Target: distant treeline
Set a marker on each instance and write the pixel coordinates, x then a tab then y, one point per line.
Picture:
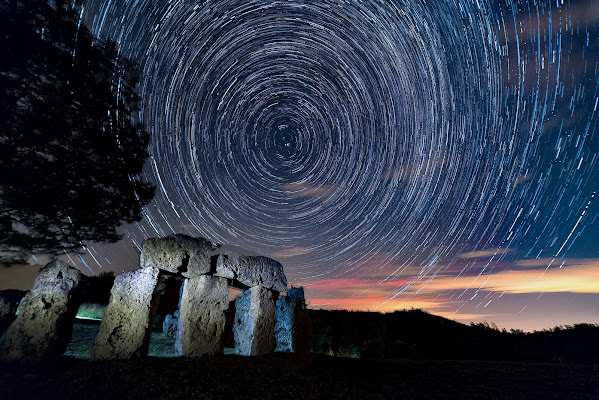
416	334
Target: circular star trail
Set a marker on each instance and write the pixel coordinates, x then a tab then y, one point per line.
345	137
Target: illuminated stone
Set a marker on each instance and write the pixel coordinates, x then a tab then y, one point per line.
293	327
252	271
253	328
43	328
179	254
127	322
204	301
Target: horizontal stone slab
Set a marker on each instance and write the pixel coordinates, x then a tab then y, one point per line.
192	257
179	254
252	271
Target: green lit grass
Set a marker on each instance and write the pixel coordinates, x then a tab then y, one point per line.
91	311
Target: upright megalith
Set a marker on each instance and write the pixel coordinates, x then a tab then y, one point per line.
204	300
179	254
252	271
43	328
170	325
127	322
254	322
293	327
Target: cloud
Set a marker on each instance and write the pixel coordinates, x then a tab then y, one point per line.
581	276
306	189
544	262
583	14
345	290
291	252
522	178
575	276
484	253
357	284
405	172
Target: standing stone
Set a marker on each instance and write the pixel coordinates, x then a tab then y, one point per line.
204	301
179	254
285	312
127	323
284	324
254	322
170	326
43	328
9	302
292	326
252	271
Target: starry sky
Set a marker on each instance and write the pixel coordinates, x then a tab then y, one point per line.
390	154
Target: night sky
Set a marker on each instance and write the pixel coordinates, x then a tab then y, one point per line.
390	154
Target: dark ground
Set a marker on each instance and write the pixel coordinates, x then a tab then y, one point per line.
284	376
418	348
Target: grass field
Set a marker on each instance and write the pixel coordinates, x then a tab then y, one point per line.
84	335
91	311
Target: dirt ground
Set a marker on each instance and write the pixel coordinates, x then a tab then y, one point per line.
289	376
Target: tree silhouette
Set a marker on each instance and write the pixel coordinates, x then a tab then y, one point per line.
70	146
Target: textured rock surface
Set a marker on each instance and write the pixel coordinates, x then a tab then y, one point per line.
254	322
9	302
285	323
127	323
292	326
252	271
180	254
170	326
297	294
204	301
43	328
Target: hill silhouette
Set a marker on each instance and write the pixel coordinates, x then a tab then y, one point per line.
416	334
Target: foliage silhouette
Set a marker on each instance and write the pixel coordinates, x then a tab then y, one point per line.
71	148
9	302
97	288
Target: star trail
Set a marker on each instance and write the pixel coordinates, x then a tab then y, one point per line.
389	153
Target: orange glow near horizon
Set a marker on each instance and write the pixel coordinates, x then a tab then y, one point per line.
441	296
576	278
